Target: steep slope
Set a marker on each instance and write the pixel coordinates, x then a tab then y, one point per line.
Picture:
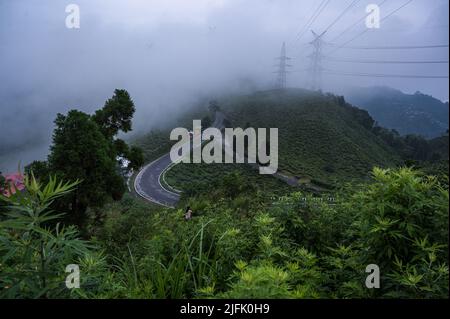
320	136
407	113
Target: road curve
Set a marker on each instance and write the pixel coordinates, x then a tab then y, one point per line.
148	181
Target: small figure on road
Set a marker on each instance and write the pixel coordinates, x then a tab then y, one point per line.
188	213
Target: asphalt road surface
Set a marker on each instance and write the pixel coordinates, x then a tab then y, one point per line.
148	181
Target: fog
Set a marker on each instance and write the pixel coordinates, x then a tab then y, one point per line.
170	54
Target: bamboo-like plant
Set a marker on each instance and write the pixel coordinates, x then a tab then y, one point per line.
34	248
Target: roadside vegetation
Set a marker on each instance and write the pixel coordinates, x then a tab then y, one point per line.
294	247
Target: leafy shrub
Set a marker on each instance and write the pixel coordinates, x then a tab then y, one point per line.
260	282
33	253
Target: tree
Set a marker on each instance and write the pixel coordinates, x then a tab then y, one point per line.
116	115
417	148
81	152
133	154
121	148
86	148
40	169
136	157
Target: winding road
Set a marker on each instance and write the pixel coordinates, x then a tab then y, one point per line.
147	183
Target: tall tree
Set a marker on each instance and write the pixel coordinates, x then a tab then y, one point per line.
81	152
86	148
116	115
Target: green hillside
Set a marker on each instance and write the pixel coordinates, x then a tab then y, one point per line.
322	139
320	136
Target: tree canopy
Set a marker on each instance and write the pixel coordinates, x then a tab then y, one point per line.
116	115
85	148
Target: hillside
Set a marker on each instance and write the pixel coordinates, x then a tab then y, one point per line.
407	113
323	141
320	136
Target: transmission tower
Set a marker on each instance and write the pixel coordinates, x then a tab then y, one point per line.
282	68
315	70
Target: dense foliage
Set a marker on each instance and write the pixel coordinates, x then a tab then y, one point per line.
295	247
415	147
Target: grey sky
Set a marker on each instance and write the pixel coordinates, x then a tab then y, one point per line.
167	53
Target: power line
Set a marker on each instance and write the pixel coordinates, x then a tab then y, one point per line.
299	34
302	30
386	62
396	10
366	30
331	72
316	69
356	23
314	17
301	70
408	76
354	2
295	34
406	47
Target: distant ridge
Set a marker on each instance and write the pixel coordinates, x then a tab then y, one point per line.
417	113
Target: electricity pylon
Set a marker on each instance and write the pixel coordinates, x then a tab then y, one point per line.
315	70
282	68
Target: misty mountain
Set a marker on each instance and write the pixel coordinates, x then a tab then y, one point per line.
417	113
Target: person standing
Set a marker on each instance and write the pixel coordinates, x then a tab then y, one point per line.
188	213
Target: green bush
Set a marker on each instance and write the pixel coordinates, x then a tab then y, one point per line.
403	228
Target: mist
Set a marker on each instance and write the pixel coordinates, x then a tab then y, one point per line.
171	55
